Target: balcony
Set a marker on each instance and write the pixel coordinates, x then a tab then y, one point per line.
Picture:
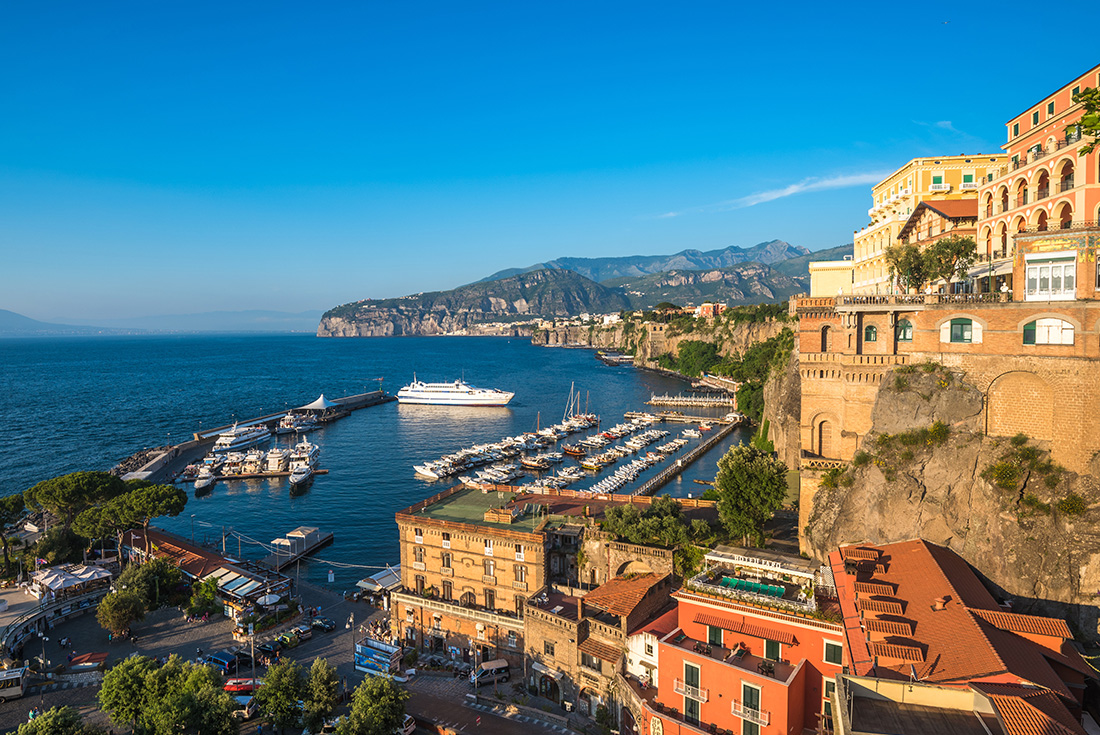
760	717
940	187
687	690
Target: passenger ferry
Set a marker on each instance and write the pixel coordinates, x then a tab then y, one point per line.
241	436
458	393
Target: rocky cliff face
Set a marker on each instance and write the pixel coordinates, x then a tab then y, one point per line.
783	412
997	502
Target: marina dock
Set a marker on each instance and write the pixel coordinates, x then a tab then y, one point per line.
706	401
300	542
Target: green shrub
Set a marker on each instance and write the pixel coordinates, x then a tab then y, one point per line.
1072	505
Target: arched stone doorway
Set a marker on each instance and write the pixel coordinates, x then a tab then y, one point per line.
1020	403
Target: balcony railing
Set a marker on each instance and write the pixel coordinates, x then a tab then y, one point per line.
687	690
760	717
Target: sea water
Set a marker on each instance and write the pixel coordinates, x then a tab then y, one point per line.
85	403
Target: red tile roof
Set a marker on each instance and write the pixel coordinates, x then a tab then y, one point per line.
961	642
619	596
600	650
1029	711
1031	624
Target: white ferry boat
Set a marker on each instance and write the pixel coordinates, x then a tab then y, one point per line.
457	393
241	436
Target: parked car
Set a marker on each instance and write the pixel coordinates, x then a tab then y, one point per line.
326	624
303	631
247	706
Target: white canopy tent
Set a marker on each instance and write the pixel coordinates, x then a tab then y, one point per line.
320	404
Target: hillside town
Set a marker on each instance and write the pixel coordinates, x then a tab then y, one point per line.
892	595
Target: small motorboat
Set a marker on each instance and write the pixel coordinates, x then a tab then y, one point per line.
301	474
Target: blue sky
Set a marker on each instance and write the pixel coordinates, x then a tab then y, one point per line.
160	158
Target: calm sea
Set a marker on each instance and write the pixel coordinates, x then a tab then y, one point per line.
79	404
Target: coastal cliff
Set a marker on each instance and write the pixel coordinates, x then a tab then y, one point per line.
926	470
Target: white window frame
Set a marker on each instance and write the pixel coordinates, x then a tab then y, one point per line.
1034	267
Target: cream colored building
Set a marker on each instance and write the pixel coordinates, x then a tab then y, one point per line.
894	199
831	277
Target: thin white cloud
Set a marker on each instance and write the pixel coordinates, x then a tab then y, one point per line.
806	185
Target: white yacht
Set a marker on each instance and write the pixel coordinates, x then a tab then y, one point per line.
457	393
241	436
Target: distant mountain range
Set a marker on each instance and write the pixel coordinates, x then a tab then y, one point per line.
604	269
17	325
517	295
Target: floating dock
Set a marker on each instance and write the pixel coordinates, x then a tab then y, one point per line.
709	401
300	542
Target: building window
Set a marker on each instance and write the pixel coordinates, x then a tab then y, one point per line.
870	334
834	653
446	560
490	567
448	590
772	650
714	635
905	331
1048	332
418	535
490	599
548	648
962	331
521	573
1035	118
1015	131
418	554
1050	109
446	540
1051	279
590	661
488	547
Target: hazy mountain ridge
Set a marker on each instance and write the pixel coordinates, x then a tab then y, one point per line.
630	266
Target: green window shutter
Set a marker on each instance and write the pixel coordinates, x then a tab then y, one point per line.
1029	333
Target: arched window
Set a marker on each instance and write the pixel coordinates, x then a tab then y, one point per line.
962	331
1048	332
905	331
870	334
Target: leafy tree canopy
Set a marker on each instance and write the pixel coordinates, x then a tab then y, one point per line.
284	686
377	708
66	496
751	486
119	610
178	697
1090	120
59	721
322	693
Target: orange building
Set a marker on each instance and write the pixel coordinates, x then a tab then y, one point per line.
1046	185
917	612
752	650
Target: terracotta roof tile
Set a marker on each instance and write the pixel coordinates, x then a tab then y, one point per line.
1032	624
619	596
600	650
